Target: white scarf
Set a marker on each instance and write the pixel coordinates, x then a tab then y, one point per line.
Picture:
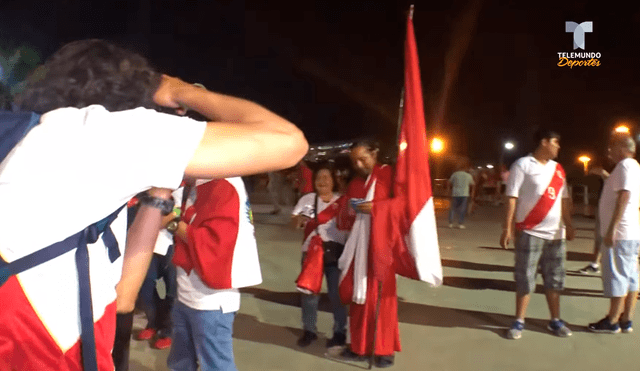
357	247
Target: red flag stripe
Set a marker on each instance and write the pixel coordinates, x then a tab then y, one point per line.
404	236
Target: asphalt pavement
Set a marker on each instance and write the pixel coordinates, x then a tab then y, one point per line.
458	326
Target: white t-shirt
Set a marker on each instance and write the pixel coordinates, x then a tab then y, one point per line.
328	231
460	182
73	169
528	181
625	176
195	294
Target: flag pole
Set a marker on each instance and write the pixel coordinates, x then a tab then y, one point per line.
401	108
378	301
400	114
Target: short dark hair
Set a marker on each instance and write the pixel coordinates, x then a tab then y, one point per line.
544	133
87	72
369	144
325	166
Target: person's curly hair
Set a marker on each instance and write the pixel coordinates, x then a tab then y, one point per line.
87	72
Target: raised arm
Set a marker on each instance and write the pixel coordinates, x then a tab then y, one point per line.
242	138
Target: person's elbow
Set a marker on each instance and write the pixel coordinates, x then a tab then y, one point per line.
296	147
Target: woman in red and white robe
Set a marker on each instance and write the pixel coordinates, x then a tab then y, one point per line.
358	287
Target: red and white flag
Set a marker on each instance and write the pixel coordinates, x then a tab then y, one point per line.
403	235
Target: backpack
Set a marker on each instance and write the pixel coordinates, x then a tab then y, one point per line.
13	127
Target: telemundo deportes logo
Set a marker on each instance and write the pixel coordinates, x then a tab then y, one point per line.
578	59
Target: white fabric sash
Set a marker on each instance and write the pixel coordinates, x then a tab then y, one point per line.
357	247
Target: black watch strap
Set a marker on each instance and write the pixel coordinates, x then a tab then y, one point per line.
165	206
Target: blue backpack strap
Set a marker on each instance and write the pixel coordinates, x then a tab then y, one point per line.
80	241
62	247
90	235
41	256
13	127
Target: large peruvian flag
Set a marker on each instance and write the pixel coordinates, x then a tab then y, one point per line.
403	234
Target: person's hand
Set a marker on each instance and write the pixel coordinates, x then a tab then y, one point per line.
599	171
168	219
169	93
571	232
365	207
300	221
505	238
608	239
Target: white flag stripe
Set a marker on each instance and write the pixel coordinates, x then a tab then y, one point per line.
423	245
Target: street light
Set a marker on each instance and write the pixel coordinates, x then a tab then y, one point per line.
585	161
622	129
437	145
506	146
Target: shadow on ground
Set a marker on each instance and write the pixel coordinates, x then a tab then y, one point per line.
410	313
571	255
249	328
460	264
473	283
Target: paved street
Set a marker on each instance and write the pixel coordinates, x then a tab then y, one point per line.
459	326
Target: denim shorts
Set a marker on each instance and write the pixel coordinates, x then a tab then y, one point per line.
620	268
532	252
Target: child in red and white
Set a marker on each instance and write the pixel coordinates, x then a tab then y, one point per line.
215	254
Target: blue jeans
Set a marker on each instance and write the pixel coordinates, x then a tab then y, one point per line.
158	311
458	207
310	303
201	338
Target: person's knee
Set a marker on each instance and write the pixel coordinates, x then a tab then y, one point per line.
525	283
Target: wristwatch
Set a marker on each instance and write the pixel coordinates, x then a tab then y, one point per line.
165	206
172	227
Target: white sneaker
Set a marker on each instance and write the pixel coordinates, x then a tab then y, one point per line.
450	225
461	226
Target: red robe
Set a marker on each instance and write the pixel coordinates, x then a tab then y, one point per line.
306	180
362	317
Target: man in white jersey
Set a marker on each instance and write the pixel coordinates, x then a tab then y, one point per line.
620	228
539	204
98	143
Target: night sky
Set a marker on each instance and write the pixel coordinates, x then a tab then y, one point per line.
335	68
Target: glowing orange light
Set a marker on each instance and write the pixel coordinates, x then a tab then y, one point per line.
585	161
437	145
622	129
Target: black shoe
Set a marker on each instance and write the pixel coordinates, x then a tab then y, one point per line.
348	355
604	326
307	338
590	269
338	339
384	361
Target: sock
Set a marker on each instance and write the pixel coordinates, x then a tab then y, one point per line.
595	265
555	319
521	320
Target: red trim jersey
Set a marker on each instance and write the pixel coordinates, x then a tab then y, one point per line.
221	252
529	180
